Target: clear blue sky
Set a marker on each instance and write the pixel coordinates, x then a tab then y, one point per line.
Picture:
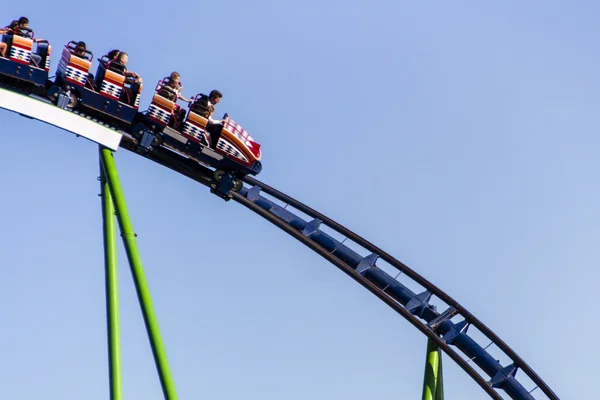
461	137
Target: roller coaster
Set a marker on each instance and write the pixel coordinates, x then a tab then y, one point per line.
452	329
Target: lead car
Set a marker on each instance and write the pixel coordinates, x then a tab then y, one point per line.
234	156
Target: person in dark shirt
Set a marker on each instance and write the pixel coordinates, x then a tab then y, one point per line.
80	51
118	63
130	76
204	106
19	26
171	89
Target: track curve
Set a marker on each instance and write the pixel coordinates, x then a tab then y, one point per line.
417	307
452	336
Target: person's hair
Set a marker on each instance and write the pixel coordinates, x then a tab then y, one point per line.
81	46
113	54
23	20
120	55
174	75
215	94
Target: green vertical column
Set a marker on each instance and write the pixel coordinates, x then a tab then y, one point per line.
432	382
439	393
112	290
135	262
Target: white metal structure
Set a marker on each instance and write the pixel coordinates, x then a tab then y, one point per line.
67	120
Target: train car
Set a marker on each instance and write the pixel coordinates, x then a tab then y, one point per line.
75	88
232	153
235	154
233	142
28	61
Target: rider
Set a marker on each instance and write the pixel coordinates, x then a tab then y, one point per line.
80	51
205	107
112	55
3	46
10	30
20	27
117	62
16	24
171	89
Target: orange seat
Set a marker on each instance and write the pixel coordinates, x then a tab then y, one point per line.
75	69
20	51
160	109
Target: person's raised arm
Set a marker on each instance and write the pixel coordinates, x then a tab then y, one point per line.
180	96
214	121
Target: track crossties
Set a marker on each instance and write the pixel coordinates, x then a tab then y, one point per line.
463	337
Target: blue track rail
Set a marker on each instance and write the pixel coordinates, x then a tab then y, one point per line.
415	307
463	337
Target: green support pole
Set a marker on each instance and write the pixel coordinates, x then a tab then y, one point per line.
112	291
135	262
432	383
439	393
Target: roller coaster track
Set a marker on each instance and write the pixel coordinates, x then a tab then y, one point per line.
451	328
